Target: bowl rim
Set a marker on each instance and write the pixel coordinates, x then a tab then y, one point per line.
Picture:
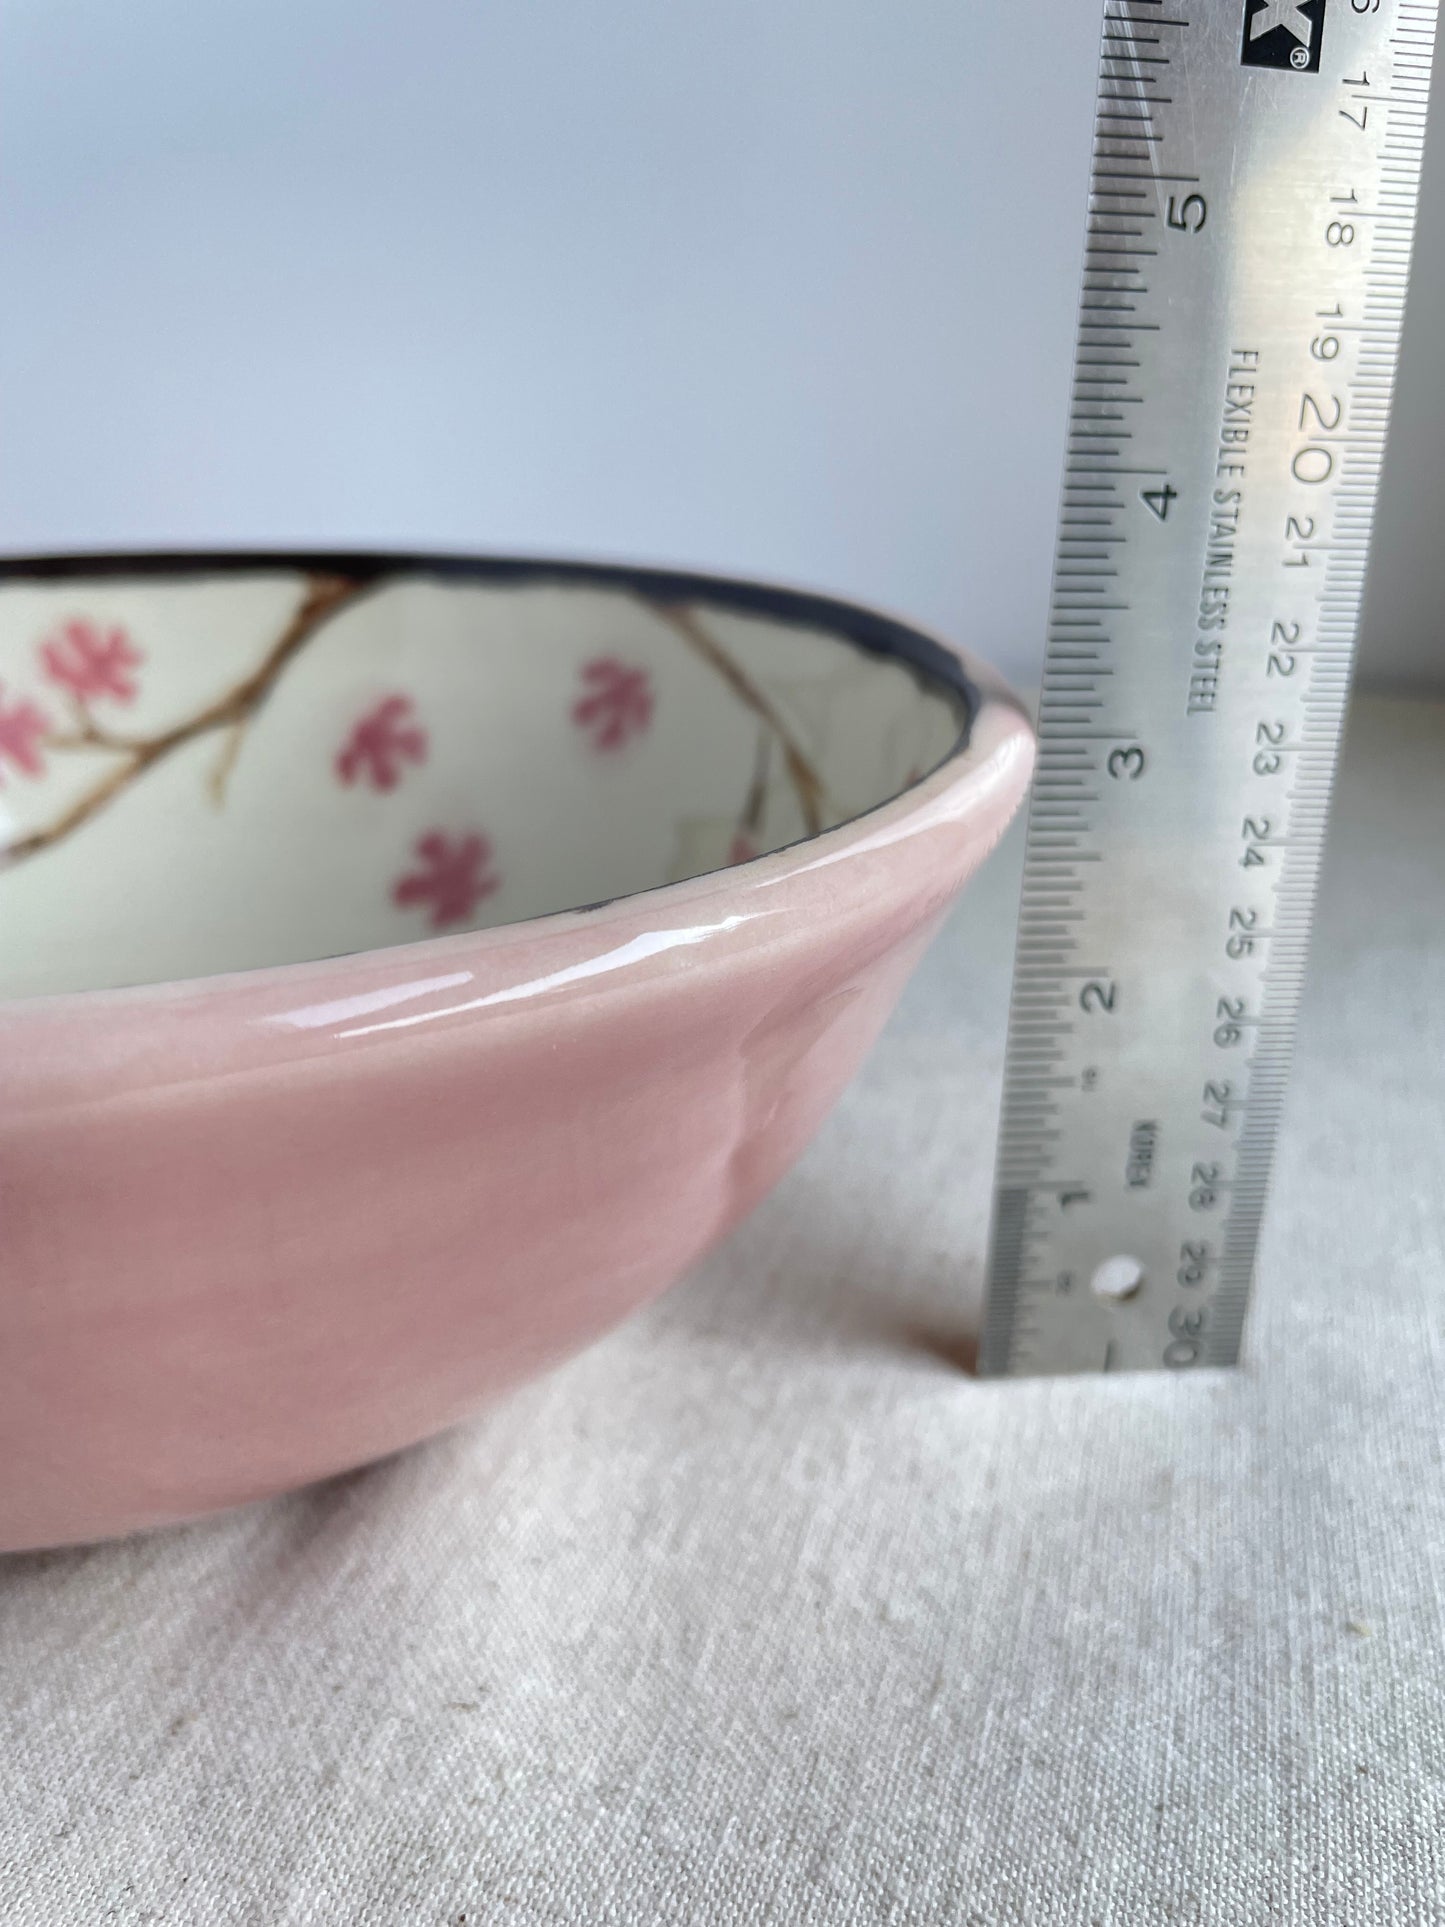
865	626
981	691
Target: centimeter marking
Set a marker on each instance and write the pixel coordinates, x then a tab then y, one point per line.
1252	203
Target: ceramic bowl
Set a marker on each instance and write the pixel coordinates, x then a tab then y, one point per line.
409	966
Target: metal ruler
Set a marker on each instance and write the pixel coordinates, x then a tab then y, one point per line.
1256	167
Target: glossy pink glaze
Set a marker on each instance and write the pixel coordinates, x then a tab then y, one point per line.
256	1229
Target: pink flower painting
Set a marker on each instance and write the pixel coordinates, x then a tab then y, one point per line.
453	875
383	741
23	727
92	662
616	703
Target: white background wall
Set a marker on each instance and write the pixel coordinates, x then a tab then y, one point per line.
775	287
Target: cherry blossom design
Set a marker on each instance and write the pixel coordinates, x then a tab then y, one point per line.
616	703
453	876
381	742
91	662
23	727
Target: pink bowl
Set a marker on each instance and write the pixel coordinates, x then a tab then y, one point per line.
268	1211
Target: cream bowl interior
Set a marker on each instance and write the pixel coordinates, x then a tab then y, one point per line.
214	765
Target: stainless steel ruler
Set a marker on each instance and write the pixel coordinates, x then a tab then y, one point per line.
1255	172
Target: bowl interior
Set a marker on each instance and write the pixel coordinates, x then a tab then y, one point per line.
210	767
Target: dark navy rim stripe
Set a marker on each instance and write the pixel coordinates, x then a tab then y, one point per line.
879	634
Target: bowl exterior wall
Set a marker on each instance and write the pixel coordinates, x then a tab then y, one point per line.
257	1229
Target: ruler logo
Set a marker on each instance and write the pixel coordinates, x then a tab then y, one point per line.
1283	33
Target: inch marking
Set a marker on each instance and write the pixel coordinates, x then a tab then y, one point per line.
1190	723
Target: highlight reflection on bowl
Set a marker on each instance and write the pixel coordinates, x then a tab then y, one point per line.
408	966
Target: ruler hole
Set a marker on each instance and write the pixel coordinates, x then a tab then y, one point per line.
1117	1278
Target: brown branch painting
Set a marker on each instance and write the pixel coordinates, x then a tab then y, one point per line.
616	704
135	755
806	782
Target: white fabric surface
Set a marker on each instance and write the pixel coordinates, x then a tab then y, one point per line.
763	1612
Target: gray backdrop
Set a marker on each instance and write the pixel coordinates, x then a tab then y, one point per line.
775	288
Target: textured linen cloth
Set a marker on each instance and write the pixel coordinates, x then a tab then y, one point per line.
763	1611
